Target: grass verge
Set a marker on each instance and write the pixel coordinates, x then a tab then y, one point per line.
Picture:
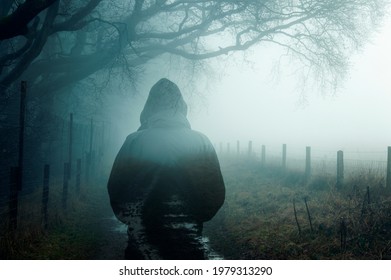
258	220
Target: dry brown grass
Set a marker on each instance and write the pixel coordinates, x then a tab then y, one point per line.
257	220
71	234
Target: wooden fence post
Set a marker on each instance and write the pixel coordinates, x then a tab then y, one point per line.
250	148
78	175
70	145
93	165
388	181
91	134
45	196
23	90
88	163
340	171
13	200
102	146
263	156
89	155
65	186
307	163
284	156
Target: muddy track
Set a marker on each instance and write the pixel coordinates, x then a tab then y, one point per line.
113	240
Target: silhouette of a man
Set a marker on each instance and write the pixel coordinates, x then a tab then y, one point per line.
165	181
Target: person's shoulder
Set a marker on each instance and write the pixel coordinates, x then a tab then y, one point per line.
143	135
201	136
199	133
132	135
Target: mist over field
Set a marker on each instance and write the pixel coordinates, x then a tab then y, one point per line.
260	96
195	129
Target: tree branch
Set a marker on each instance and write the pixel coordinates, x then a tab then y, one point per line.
76	21
35	49
16	23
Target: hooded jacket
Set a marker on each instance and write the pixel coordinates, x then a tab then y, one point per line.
165	168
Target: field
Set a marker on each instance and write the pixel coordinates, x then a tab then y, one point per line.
274	214
269	213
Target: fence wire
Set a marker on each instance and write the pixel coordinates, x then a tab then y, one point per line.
322	162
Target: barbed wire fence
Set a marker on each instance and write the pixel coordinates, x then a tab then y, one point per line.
312	161
44	169
42	173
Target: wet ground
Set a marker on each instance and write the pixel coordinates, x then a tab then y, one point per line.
114	241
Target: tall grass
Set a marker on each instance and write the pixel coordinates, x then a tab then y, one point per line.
258	219
73	233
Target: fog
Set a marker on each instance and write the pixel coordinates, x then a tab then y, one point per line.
249	105
76	75
259	96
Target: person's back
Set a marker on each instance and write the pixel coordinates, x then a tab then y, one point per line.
166	181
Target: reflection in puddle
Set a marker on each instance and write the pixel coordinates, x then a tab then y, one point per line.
119	227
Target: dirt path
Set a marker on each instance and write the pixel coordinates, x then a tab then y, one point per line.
114	239
110	234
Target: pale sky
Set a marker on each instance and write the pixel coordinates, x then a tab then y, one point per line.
248	104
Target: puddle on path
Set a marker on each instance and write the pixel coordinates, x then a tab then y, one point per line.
116	241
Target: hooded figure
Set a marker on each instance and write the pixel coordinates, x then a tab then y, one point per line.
165	181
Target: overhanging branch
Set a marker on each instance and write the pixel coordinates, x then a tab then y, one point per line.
16	23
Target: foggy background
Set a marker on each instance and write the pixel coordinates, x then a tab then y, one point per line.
262	94
258	95
89	66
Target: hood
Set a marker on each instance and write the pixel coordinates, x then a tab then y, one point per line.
165	104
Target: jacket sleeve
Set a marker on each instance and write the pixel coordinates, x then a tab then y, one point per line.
196	173
128	182
206	189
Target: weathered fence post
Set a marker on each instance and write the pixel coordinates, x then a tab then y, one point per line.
91	134
89	155
250	148
102	146
388	181
70	145
93	165
78	175
88	162
284	156
23	90
263	156
237	147
45	196
63	141
65	186
340	171
307	163
13	201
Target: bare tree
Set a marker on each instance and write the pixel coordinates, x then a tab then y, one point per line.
58	43
16	23
60	46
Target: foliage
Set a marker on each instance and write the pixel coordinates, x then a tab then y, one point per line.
57	43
